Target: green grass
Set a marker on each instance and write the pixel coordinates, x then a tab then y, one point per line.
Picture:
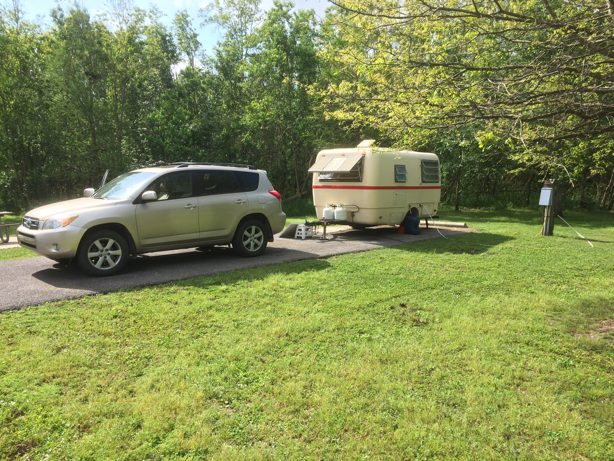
481	346
9	254
12	219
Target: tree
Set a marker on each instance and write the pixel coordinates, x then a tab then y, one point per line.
24	147
187	38
534	73
282	123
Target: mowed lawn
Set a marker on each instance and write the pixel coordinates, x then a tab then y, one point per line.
491	345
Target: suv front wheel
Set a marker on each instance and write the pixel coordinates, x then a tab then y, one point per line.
104	252
250	238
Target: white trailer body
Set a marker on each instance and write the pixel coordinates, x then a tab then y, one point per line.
377	186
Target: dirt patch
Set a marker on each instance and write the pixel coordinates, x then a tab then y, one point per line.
603	330
607	327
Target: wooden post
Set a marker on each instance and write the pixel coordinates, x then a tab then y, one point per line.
549	210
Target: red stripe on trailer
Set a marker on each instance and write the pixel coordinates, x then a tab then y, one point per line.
375	187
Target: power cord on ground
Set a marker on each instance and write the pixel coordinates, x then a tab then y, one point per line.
543	224
581	236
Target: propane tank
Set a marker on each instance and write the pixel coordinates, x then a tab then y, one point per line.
341	214
329	212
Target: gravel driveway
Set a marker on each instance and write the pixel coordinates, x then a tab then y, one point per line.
34	281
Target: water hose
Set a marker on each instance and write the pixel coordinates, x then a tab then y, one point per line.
427	210
581	236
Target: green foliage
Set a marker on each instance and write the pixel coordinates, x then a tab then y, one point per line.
528	76
506	94
299	209
103	96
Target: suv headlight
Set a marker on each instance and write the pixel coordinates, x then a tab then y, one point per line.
55	223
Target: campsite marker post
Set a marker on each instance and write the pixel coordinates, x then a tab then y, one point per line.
546	199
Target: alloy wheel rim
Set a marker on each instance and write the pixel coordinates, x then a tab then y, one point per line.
104	254
253	238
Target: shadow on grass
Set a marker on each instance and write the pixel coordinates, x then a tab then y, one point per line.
530	217
470	243
533	217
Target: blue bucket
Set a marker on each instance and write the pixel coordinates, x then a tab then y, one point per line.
412	225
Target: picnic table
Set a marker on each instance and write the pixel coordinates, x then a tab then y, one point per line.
4	228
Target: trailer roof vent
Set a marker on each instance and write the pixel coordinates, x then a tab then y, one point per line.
366	143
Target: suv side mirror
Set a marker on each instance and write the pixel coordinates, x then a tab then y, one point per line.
89	192
149	196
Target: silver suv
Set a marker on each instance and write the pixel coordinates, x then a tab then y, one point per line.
182	205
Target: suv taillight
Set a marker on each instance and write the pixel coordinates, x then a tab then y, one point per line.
275	194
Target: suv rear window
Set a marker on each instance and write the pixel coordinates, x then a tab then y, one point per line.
215	182
247	181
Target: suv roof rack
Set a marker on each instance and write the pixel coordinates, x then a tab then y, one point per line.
236	165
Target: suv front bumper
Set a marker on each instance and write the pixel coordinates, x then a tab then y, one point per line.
53	243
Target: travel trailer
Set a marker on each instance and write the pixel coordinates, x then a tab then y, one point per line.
375	186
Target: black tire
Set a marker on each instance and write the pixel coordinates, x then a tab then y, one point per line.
102	253
250	238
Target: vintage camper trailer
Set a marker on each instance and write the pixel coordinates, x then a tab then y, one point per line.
376	186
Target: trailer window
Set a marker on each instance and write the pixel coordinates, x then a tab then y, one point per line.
430	171
400	173
354	175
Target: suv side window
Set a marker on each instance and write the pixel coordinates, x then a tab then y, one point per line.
173	186
215	182
247	181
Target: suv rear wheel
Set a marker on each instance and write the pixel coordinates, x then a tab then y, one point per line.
104	252
250	238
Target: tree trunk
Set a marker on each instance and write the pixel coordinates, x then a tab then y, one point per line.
607	192
529	189
447	191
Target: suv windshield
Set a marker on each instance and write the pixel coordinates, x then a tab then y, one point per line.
123	186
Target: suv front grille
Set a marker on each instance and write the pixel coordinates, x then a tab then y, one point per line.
30	223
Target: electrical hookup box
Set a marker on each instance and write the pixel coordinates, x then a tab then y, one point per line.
545	198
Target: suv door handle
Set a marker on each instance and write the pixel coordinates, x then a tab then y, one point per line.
189	206
240	202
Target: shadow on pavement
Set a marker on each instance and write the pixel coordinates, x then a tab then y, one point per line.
150	269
